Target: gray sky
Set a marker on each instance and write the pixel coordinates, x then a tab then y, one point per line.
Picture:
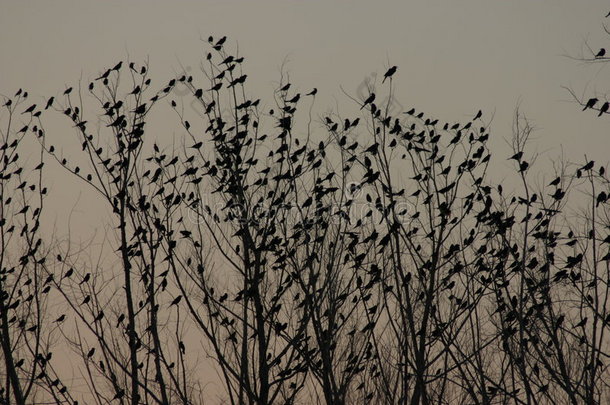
454	57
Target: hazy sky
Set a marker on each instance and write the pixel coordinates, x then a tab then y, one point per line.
454	57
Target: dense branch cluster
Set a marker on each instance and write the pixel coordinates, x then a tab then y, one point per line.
345	260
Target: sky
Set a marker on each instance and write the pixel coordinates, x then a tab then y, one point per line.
453	57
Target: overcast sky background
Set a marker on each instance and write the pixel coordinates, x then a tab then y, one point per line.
453	57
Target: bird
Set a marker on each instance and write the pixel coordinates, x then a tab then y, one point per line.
588	166
590	103
600	53
85	279
135	91
603	109
369	100
516	156
313	92
49	103
141	109
479	114
389	73
120	319
30	109
104	75
582	323
221	41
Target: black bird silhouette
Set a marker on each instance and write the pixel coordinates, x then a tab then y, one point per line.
104	75
313	92
135	91
120	320
120	394
49	103
590	103
588	166
601	53
516	156
30	109
603	109
176	300
369	100
68	91
85	279
389	73
479	114
141	109
582	323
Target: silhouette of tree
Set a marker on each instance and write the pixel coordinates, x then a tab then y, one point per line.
366	258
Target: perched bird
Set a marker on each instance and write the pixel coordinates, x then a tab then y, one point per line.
516	156
141	109
30	109
479	114
176	300
135	91
603	109
582	323
389	73
588	166
369	100
85	279
313	92
601	53
590	103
